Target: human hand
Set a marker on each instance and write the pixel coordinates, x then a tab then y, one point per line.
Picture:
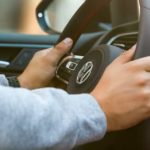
124	91
43	65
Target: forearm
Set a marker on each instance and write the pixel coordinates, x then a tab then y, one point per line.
48	118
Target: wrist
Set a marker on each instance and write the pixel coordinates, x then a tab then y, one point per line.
98	97
24	82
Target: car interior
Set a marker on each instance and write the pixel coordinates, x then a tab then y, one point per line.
101	30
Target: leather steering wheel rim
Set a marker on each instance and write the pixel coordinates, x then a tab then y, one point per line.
83	17
88	12
136	137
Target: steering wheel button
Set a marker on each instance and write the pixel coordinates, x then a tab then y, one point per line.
71	65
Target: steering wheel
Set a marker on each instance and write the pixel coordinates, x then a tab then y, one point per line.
86	71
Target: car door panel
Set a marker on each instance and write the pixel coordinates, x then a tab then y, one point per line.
16	50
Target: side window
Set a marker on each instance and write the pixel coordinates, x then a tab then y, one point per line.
18	16
9	15
59	16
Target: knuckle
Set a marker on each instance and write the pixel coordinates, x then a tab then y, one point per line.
144	101
147	107
59	47
42	54
132	67
136	65
145	94
142	79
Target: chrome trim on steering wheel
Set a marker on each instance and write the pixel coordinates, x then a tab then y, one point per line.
68	58
119	36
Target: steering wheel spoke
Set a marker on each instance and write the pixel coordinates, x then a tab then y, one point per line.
82	75
66	67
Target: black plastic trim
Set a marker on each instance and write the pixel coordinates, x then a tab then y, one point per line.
144	36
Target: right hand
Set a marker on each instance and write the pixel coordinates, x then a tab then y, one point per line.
124	91
41	69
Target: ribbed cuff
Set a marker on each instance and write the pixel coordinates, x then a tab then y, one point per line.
3	80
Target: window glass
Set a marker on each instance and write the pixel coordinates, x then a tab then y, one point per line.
18	16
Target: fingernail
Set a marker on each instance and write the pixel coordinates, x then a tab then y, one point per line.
68	41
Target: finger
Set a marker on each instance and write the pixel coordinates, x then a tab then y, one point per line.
63	47
56	53
142	63
125	56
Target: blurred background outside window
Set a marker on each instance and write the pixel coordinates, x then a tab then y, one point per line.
18	16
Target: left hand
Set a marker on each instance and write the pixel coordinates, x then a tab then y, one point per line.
43	65
123	92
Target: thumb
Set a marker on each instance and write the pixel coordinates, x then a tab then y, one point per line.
126	56
63	47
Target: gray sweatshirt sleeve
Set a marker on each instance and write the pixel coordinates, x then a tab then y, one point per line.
3	80
48	119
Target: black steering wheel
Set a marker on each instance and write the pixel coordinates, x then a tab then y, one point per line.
86	71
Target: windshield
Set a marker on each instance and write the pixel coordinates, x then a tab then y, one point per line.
18	16
57	16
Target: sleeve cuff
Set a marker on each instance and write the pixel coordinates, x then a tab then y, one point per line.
3	80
